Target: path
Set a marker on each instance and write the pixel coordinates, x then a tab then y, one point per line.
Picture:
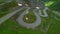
9	15
32	25
44	11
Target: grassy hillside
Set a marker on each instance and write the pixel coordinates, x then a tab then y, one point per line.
12	27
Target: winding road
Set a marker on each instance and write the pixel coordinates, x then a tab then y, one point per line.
44	11
32	25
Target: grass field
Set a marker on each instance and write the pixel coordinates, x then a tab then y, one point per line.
12	27
31	17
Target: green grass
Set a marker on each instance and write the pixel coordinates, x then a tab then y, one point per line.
54	24
3	13
54	28
12	27
31	17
